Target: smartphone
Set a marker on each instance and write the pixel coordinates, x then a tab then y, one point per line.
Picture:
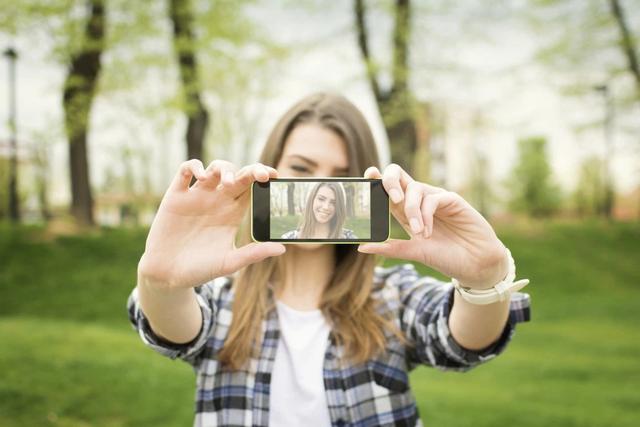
319	210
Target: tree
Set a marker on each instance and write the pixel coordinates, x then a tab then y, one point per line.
586	38
395	102
532	190
594	194
184	45
138	58
627	42
290	205
79	93
589	47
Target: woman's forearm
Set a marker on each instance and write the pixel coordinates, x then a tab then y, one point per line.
476	326
174	315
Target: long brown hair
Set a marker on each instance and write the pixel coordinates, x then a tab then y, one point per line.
309	222
346	302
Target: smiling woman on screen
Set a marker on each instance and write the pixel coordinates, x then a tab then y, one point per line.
324	214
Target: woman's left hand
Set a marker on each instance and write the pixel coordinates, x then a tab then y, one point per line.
447	233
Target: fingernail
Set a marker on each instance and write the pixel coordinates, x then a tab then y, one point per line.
395	195
415	225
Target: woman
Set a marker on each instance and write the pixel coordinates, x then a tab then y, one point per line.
324	214
315	334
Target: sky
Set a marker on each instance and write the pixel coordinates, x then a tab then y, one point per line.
509	105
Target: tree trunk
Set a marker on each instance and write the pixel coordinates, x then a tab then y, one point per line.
395	103
184	45
79	92
627	42
629	48
290	205
350	194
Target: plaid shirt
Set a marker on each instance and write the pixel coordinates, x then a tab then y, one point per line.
375	393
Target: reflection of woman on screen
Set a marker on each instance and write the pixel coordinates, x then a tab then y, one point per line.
324	214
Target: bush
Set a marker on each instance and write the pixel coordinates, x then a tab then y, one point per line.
531	185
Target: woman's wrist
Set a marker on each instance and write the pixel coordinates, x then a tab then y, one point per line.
491	275
152	285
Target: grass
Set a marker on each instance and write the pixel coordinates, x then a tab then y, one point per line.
280	225
69	357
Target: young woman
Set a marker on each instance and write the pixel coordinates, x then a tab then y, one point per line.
314	334
324	214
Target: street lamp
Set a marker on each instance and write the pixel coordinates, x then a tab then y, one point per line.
14	208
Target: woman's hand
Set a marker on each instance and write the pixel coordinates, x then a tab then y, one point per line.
447	233
192	236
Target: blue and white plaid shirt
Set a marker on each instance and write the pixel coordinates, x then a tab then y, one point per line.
375	393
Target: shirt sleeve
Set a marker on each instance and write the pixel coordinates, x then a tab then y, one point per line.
291	234
207	296
424	318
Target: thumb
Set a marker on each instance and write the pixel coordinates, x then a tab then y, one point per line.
250	254
393	248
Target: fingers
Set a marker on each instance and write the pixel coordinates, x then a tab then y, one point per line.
186	171
395	180
372	172
414	195
250	254
446	203
247	175
218	172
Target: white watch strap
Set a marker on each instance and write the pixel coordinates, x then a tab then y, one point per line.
498	292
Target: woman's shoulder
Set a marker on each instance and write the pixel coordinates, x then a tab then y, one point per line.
401	278
291	234
394	274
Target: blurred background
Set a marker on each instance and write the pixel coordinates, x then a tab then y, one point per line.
530	109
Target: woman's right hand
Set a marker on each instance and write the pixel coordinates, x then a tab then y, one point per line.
191	239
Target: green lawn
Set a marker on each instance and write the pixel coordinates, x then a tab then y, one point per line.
68	356
282	224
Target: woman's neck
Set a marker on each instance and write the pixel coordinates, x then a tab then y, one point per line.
308	272
321	231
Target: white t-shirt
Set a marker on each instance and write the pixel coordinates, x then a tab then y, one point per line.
297	394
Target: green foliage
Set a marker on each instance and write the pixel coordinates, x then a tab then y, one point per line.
531	185
580	47
70	358
594	192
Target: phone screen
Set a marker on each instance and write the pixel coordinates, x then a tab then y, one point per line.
325	210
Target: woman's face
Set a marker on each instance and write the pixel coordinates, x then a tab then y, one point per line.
312	150
324	205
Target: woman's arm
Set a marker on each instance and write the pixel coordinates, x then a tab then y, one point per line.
173	314
191	242
425	306
474	326
449	235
